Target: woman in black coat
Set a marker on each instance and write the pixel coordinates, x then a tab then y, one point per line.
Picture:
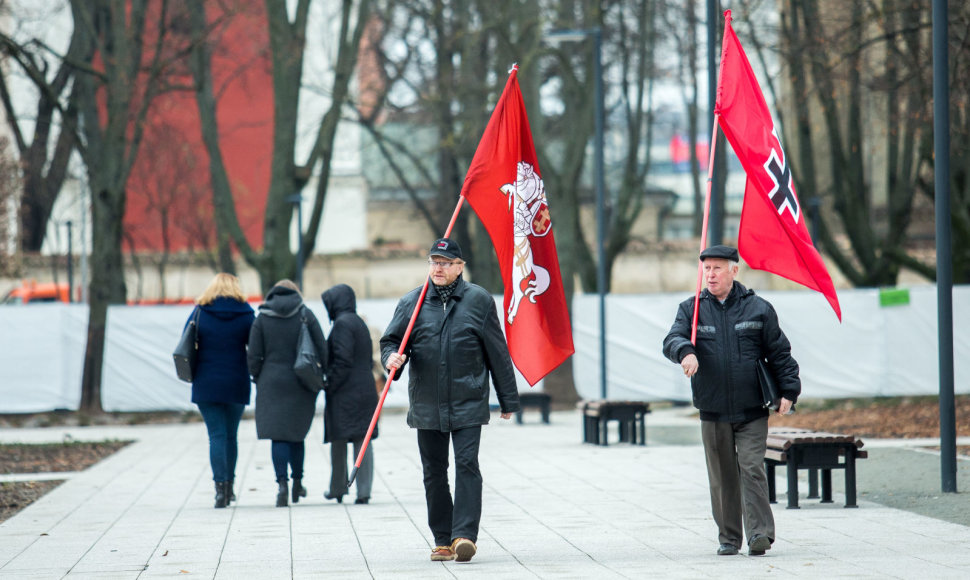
351	394
220	382
284	408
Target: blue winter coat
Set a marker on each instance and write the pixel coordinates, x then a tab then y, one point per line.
221	374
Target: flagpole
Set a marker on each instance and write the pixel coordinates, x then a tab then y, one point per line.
707	213
400	350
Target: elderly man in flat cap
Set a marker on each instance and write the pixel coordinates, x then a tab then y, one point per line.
735	329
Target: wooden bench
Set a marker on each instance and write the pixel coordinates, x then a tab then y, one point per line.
629	415
542	401
815	451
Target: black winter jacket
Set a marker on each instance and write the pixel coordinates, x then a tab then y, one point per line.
452	350
284	409
351	394
730	339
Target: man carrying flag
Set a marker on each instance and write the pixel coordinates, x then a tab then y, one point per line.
735	330
455	343
721	336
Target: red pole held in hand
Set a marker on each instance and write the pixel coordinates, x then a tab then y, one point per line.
707	214
400	350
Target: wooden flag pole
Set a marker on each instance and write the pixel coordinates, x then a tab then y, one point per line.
707	213
400	350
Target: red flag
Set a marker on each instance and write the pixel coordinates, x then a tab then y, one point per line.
504	186
772	235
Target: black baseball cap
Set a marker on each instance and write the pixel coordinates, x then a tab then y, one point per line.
445	247
723	252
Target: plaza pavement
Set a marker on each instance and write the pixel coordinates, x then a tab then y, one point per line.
553	508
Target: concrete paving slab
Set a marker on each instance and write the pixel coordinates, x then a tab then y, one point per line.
553	508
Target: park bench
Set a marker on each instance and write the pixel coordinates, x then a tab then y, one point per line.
542	401
815	451
629	415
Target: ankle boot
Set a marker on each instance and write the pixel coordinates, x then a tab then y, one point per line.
221	499
230	494
283	492
298	490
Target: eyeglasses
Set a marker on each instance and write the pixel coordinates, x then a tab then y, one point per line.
437	264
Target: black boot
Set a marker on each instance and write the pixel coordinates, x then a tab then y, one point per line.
230	494
298	490
283	492
221	499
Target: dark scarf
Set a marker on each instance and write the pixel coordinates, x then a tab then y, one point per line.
445	292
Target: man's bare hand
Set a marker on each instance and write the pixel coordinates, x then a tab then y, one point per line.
690	365
506	416
395	361
784	407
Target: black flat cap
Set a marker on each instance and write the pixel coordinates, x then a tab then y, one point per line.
723	252
445	247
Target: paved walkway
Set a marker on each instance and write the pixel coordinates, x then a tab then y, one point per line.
554	508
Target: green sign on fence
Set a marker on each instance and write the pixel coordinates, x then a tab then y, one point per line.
893	296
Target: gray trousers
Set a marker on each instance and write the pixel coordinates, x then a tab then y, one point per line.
338	468
735	454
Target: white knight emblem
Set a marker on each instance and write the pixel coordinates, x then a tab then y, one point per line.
527	199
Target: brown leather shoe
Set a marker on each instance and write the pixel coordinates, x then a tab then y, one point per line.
464	549
442	554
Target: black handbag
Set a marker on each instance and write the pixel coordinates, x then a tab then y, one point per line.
769	388
308	368
186	352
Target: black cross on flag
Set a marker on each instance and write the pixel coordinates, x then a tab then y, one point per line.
783	194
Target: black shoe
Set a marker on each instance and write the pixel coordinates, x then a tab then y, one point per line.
298	490
758	544
230	492
727	550
222	500
339	498
362	500
282	493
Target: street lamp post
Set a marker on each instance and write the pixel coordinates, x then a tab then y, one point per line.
70	262
598	177
297	200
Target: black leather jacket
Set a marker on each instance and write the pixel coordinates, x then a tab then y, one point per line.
730	338
452	349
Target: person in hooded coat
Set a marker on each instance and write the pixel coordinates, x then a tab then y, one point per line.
284	408
351	394
220	382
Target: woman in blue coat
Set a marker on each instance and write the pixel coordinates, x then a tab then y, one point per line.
220	383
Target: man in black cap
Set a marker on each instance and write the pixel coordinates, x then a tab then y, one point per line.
735	329
456	343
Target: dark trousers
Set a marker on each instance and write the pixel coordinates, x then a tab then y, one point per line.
288	453
447	518
222	424
338	467
735	455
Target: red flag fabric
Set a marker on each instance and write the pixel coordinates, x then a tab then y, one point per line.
504	186
772	235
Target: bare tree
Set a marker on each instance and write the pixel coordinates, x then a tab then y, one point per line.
117	64
44	155
288	175
10	186
866	62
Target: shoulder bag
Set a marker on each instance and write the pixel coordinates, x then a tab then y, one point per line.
308	368
187	351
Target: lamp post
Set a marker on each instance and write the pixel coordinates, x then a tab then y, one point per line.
596	34
70	262
297	200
